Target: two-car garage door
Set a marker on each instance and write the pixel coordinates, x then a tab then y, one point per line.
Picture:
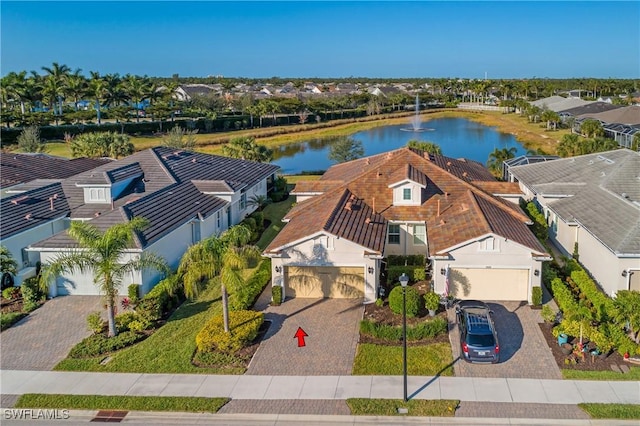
489	284
324	281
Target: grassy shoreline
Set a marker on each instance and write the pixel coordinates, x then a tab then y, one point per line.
533	136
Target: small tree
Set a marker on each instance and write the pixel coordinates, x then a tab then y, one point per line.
345	149
8	265
246	148
627	312
430	147
180	138
29	140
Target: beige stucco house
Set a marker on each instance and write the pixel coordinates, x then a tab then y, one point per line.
407	202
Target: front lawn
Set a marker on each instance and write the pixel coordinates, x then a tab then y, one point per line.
633	374
415	407
121	402
168	350
612	411
429	360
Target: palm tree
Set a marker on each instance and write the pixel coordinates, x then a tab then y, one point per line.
259	201
98	89
102	253
225	256
55	84
499	156
246	148
8	265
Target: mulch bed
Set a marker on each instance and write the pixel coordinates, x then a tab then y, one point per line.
10	305
597	363
384	315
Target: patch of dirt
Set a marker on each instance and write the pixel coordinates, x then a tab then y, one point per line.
588	363
10	305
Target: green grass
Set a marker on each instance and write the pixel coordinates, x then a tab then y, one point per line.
293	179
633	374
389	407
169	349
128	403
10	318
274	212
428	360
612	411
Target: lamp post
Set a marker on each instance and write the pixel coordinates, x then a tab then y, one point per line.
404	280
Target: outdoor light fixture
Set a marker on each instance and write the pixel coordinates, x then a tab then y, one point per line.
536	272
404	280
443	271
370	269
278	269
624	273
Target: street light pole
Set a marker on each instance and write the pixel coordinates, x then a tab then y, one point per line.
404	280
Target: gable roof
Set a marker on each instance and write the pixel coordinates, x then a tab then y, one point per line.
452	207
629	115
600	191
31	209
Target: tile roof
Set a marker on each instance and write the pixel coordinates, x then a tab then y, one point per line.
454	208
32	208
22	168
629	115
591	108
601	191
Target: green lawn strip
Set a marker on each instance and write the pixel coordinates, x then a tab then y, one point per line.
274	212
169	349
121	402
611	411
633	374
293	179
10	318
415	407
428	360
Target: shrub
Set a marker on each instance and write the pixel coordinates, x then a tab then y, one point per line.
243	329
413	301
32	295
536	296
276	295
98	344
245	296
547	314
432	301
540	227
259	218
133	292
95	322
138	326
414	259
379	302
11	293
601	302
427	329
166	295
415	273
124	319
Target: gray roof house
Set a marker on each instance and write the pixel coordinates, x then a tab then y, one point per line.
186	196
592	206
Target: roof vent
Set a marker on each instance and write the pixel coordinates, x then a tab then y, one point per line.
625	195
20	199
348	206
27	216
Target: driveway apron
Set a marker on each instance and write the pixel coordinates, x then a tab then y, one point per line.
332	328
524	352
44	337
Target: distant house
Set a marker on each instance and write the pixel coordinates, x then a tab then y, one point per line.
407	202
186	196
592	206
186	92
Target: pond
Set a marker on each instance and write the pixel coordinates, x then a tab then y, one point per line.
457	137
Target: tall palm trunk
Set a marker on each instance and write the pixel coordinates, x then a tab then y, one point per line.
225	307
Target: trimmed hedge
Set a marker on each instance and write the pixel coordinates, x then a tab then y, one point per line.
414	301
99	344
276	294
245	297
536	296
414	259
540	227
415	273
428	329
243	329
165	296
602	304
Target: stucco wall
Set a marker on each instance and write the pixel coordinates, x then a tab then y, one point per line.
407	245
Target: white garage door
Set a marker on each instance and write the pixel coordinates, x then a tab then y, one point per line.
324	281
76	284
490	284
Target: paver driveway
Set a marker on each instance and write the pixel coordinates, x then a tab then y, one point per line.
524	352
332	326
44	338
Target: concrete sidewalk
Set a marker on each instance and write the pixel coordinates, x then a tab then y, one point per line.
18	382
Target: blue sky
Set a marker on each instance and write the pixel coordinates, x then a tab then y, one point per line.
503	39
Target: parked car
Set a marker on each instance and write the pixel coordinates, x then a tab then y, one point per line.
478	336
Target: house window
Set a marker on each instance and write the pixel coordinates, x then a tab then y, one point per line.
419	234
243	201
394	234
406	194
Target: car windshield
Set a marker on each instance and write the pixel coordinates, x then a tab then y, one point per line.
482	340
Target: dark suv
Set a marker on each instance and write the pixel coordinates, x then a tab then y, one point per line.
478	336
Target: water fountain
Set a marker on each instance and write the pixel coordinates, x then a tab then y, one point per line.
415	120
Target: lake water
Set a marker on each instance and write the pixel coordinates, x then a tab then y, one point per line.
457	137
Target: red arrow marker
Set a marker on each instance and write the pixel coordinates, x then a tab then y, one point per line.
300	334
